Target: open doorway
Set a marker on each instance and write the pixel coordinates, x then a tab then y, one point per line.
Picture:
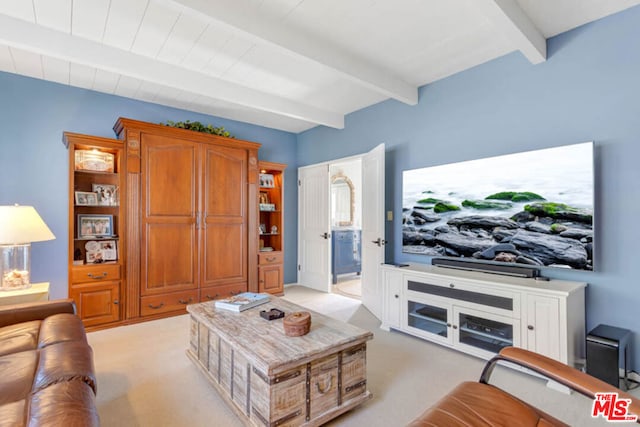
315	229
346	227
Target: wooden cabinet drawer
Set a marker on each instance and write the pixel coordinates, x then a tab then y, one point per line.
270	258
94	273
216	292
167	302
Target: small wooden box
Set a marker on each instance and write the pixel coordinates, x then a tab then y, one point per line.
297	323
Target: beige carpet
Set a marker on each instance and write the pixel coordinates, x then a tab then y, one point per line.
349	286
145	378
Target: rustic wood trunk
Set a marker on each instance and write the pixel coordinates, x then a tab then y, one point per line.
270	379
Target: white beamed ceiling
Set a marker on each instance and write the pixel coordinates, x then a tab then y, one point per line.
284	64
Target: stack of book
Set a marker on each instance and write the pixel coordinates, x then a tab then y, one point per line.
242	301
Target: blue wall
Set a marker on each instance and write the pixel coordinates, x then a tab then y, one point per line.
34	162
587	90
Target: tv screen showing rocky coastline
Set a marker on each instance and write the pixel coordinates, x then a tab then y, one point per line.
533	208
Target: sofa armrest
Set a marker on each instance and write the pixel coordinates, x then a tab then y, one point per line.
559	372
18	313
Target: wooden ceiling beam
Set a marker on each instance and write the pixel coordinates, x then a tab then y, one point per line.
516	26
47	42
263	29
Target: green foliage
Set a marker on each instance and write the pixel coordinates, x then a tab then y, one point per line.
199	127
551	209
430	200
483	204
445	207
515	196
557	228
560	210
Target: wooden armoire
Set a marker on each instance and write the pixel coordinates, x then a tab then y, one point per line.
192	231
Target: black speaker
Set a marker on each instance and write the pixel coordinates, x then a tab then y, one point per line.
607	353
507	270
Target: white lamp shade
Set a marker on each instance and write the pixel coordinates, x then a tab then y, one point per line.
22	224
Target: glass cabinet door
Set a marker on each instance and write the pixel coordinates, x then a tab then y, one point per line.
430	320
484	333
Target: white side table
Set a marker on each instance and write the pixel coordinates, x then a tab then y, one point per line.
37	292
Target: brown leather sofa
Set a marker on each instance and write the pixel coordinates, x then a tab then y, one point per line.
479	403
47	376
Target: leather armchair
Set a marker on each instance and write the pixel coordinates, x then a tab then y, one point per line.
482	404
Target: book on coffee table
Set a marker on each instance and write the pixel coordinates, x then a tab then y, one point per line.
242	301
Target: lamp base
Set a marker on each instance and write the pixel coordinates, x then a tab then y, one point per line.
14	267
15	280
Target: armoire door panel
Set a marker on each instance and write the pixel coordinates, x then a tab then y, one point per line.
168	261
170	188
170	170
224	254
225	182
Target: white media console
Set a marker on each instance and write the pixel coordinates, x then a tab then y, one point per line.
479	313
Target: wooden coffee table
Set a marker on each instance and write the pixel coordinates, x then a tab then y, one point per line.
270	379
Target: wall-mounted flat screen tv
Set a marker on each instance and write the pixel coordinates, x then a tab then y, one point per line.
532	208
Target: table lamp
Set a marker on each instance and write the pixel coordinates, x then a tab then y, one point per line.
19	226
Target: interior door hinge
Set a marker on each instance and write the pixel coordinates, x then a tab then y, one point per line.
299	183
299	268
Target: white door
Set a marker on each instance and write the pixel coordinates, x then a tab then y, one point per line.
314	232
373	240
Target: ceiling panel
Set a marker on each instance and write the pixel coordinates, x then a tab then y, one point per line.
21	9
553	17
184	35
54	14
452	55
125	17
89	18
278	8
156	26
212	40
262	68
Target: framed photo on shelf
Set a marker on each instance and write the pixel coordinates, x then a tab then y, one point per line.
107	194
86	198
266	180
91	226
101	251
264	198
